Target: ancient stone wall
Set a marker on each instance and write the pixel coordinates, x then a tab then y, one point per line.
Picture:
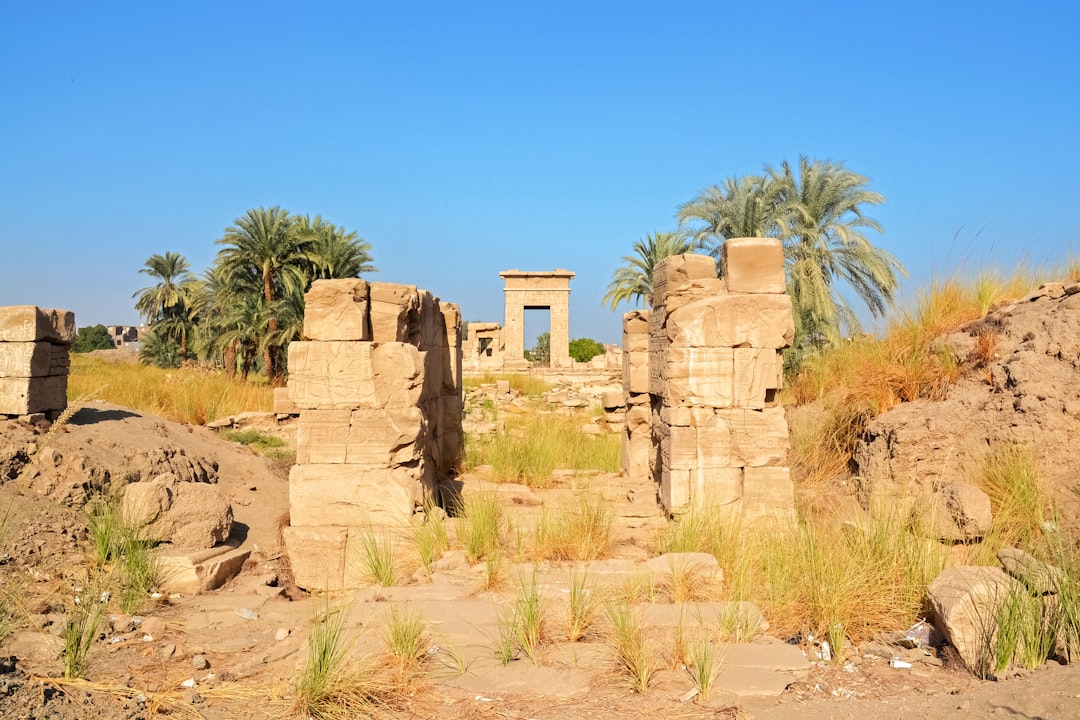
637	438
378	384
34	359
718	433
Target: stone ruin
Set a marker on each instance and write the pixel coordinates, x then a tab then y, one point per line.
378	384
34	359
702	373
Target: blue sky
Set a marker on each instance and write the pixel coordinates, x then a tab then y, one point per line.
465	138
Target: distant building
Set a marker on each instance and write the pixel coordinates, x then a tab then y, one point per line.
125	336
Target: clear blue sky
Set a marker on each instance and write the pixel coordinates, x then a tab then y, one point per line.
465	138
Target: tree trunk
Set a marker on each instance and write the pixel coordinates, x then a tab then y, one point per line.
229	359
270	354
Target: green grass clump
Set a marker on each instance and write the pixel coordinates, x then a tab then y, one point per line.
79	633
406	638
482	526
580	533
328	686
530	448
430	537
121	554
634	656
1010	475
378	559
530	614
272	447
582	606
185	395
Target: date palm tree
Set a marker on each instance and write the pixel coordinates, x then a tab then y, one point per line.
741	207
822	224
265	240
633	280
334	252
167	305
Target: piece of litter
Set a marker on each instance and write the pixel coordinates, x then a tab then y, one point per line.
105	596
148	638
481	698
116	639
689	695
900	664
189	683
247	613
849	666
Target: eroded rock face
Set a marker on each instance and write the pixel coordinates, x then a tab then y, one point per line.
185	514
965	600
1021	385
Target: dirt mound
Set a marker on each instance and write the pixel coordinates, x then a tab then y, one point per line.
1021	384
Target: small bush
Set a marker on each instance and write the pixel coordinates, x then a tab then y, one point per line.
629	639
406	638
582	533
328	688
378	559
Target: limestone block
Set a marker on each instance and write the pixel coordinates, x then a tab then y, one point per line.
636	372
186	514
692	291
29	323
756	321
376	437
337	310
331	374
699	376
636	448
753	265
636	322
964	600
325	375
637	417
399	379
33	359
26	395
758	377
768	493
390	305
452	379
758	437
317	555
613	399
283	404
432	323
436	372
338	494
676	270
688	448
192	573
674	491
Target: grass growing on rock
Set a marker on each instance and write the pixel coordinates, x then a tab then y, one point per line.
576	533
329	686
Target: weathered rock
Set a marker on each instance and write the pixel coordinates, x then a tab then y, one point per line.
26	395
965	600
961	513
188	515
1039	577
191	573
28	323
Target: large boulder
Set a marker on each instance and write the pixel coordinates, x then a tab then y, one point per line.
965	600
188	515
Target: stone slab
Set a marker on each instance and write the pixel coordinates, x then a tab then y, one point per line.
391	304
26	395
337	310
676	270
753	265
341	375
757	377
192	573
353	495
29	323
755	321
373	437
33	359
768	494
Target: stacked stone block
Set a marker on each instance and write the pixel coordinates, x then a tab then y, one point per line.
718	431
637	440
34	359
378	385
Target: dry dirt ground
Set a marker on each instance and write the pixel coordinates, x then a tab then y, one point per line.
242	645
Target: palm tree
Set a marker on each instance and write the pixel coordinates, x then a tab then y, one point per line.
633	281
171	272
820	206
334	252
265	241
167	306
742	207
